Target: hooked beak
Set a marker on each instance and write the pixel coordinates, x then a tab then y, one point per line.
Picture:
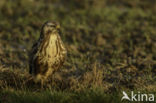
58	26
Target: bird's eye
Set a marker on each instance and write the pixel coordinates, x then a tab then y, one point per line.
51	25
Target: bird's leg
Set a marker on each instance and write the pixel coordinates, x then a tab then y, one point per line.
41	83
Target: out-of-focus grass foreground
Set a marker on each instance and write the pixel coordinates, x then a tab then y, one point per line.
111	48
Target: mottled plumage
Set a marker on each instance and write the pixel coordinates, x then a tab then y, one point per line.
48	53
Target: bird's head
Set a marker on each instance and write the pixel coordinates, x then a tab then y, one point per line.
50	28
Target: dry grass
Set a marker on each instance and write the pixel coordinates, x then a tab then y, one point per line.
123	77
13	78
62	80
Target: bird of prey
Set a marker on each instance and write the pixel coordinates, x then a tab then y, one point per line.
48	53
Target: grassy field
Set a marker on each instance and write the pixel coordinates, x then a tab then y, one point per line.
111	48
